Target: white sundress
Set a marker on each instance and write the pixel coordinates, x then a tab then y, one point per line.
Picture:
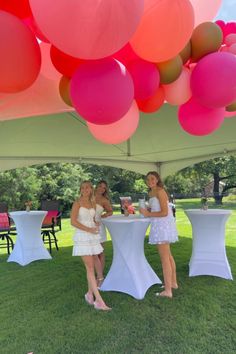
163	229
102	228
86	243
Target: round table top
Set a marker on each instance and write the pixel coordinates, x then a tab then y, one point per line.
30	213
118	218
207	212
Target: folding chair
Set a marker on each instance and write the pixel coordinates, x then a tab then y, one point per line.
5	232
51	223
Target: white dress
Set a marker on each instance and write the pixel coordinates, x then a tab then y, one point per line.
163	229
86	243
102	228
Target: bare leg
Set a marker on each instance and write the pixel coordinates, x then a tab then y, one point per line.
101	256
99	269
92	284
164	251
173	267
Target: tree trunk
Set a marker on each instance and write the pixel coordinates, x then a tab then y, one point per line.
216	189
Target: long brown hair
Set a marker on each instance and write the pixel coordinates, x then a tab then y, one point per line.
106	193
155	174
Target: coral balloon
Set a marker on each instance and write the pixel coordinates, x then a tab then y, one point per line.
119	131
205	10
20	54
170	70
153	103
162	33
90	29
146	78
179	91
102	91
64	89
206	38
213	80
19	8
199	120
47	68
64	63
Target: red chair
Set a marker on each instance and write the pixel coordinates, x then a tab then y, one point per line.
5	232
51	224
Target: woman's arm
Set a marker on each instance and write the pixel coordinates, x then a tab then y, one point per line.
163	200
74	222
108	209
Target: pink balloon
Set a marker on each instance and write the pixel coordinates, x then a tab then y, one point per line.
179	91
146	78
90	29
102	91
119	131
20	54
230	39
205	10
213	80
230	114
164	30
232	49
198	120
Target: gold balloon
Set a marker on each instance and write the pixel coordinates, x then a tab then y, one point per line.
64	89
170	70
186	52
206	38
231	107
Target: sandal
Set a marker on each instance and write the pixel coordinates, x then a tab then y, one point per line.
101	306
89	299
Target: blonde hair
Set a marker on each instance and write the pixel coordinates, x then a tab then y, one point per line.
91	197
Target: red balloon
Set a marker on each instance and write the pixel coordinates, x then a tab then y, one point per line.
19	8
102	91
199	120
146	78
20	54
64	63
30	22
126	55
153	103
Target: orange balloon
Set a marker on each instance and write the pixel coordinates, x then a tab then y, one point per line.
164	30
170	70
206	38
153	103
64	89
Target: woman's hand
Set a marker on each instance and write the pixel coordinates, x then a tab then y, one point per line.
144	212
94	230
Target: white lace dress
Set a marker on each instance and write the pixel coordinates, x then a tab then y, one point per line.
163	229
86	243
102	229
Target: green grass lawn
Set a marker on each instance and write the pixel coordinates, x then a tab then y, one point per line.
43	309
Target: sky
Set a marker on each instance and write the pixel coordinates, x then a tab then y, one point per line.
227	11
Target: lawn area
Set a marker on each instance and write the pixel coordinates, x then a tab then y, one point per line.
43	309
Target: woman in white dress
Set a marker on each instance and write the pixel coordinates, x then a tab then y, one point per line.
163	230
103	210
87	241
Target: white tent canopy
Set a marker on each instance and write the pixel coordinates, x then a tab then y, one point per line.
158	144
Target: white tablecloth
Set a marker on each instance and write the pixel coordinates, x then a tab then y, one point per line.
208	249
130	272
29	246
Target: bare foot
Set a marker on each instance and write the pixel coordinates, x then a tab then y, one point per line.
174	286
89	298
164	294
